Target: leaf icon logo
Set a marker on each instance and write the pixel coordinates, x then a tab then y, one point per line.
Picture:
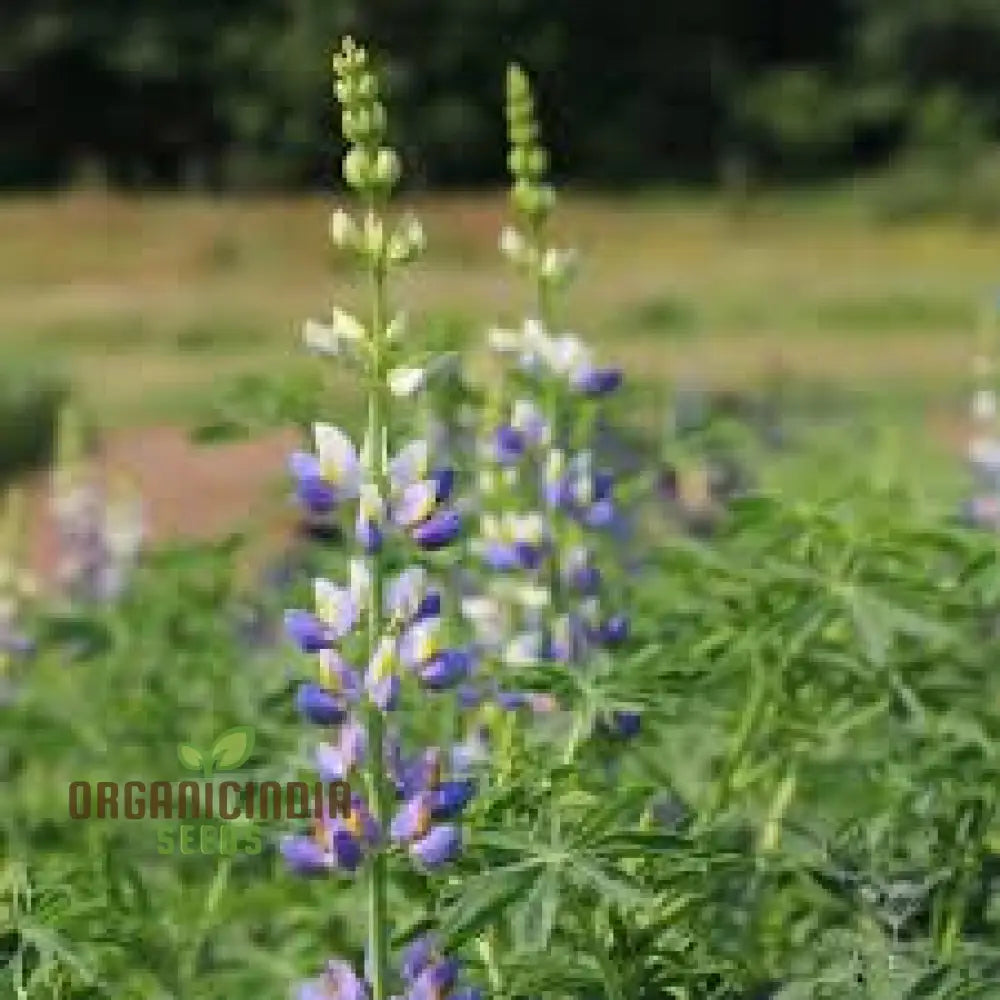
191	757
231	750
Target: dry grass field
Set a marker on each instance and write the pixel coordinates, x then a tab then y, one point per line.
148	302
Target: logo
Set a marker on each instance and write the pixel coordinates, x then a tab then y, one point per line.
226	814
230	751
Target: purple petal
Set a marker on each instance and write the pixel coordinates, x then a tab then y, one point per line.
307	631
597	381
369	536
346	849
411	820
500	557
450	798
615	630
338	982
600	514
446	669
441	845
319	706
434	980
304	856
439	531
444	480
415	504
416	957
384	693
508	444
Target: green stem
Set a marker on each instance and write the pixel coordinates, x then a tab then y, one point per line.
378	419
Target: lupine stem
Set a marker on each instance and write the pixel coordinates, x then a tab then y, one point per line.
378	423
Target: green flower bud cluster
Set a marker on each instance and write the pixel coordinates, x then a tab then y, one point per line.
532	197
370	168
527	161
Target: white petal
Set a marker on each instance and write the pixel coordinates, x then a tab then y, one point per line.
405	382
503	341
320	338
347	327
396	328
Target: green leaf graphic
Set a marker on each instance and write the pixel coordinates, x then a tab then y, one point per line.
191	757
233	748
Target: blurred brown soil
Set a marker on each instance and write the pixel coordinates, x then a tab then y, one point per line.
189	490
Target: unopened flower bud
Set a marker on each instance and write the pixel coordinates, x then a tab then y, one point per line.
537	162
387	168
374	237
357	169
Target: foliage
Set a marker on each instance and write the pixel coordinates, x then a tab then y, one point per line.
809	807
234	94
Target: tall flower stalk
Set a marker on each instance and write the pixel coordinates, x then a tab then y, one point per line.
401	511
552	431
983	508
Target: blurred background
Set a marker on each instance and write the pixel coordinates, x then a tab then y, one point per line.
763	192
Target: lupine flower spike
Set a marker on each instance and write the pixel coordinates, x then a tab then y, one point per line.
404	505
572	496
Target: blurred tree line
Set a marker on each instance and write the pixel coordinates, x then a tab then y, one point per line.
236	93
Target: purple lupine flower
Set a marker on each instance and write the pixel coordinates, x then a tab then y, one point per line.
335	761
368	535
320	706
598	515
508	445
441	845
435	980
615	631
444	480
450	798
431	845
439	530
305	855
313	492
446	669
307	631
417	955
429	607
337	982
500	556
597	381
621	725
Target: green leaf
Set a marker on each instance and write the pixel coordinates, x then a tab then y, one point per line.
233	748
191	757
485	898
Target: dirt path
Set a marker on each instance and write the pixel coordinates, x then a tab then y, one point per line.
189	490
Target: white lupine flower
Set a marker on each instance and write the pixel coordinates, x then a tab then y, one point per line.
985	453
397	327
558	265
487	481
984	404
405	382
523	650
374	235
532	597
512	244
343	229
567	354
509	478
486	616
503	341
332	339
